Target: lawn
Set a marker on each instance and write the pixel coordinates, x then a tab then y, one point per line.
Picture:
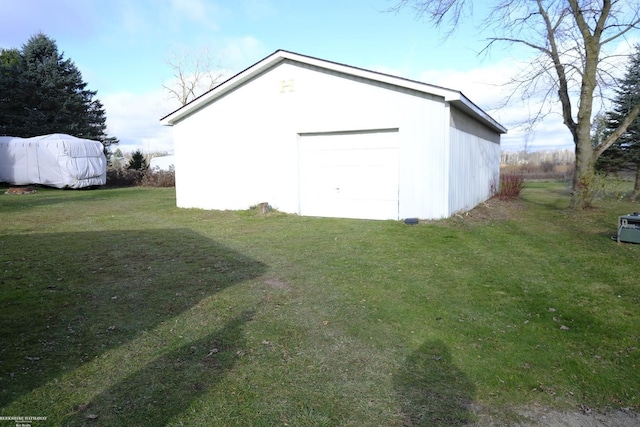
117	308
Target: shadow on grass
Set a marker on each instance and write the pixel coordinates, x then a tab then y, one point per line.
167	386
549	205
66	298
433	391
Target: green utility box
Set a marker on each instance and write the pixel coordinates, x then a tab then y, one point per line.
629	228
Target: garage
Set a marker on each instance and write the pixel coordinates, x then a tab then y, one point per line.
318	138
349	174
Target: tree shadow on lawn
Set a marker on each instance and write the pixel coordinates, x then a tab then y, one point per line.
167	386
66	298
433	391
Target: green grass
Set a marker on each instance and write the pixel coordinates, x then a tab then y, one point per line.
117	308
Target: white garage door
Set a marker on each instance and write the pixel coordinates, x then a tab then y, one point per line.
349	175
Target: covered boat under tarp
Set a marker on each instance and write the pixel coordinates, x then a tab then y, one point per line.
56	160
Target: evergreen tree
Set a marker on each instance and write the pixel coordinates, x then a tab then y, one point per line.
48	95
624	154
137	162
10	89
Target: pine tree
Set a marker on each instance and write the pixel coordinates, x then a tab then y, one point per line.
10	89
624	154
137	162
49	95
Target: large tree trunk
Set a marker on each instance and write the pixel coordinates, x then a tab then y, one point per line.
582	195
583	176
584	173
636	187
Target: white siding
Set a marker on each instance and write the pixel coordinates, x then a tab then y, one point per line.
350	175
474	162
241	144
242	149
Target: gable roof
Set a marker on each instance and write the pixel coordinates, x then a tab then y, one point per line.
453	97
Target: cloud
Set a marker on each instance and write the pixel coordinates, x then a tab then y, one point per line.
241	52
135	120
131	22
487	86
201	12
258	9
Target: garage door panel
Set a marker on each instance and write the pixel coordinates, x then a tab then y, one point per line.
351	175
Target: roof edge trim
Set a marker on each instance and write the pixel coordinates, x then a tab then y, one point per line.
449	95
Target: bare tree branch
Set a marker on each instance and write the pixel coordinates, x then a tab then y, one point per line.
569	36
563	90
194	73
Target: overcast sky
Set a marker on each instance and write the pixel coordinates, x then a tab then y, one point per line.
122	48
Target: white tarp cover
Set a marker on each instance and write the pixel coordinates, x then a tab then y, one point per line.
56	160
164	163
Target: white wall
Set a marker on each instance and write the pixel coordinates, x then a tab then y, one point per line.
474	162
242	149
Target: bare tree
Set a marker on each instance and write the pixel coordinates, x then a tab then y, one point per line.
194	73
568	36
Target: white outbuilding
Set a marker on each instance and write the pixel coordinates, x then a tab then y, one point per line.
319	138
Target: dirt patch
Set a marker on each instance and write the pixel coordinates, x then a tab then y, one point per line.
276	283
585	418
488	211
494	210
20	190
545	417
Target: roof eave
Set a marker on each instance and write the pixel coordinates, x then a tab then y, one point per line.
463	103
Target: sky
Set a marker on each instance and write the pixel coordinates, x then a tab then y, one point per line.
123	49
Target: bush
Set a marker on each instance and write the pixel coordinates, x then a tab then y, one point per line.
511	184
143	178
159	178
547	166
124	177
603	186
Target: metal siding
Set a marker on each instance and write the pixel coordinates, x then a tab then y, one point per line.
422	169
474	162
349	175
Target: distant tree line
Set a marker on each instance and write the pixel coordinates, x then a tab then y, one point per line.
557	157
42	93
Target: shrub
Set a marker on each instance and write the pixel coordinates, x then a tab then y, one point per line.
144	178
511	184
159	178
547	166
603	186
124	177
